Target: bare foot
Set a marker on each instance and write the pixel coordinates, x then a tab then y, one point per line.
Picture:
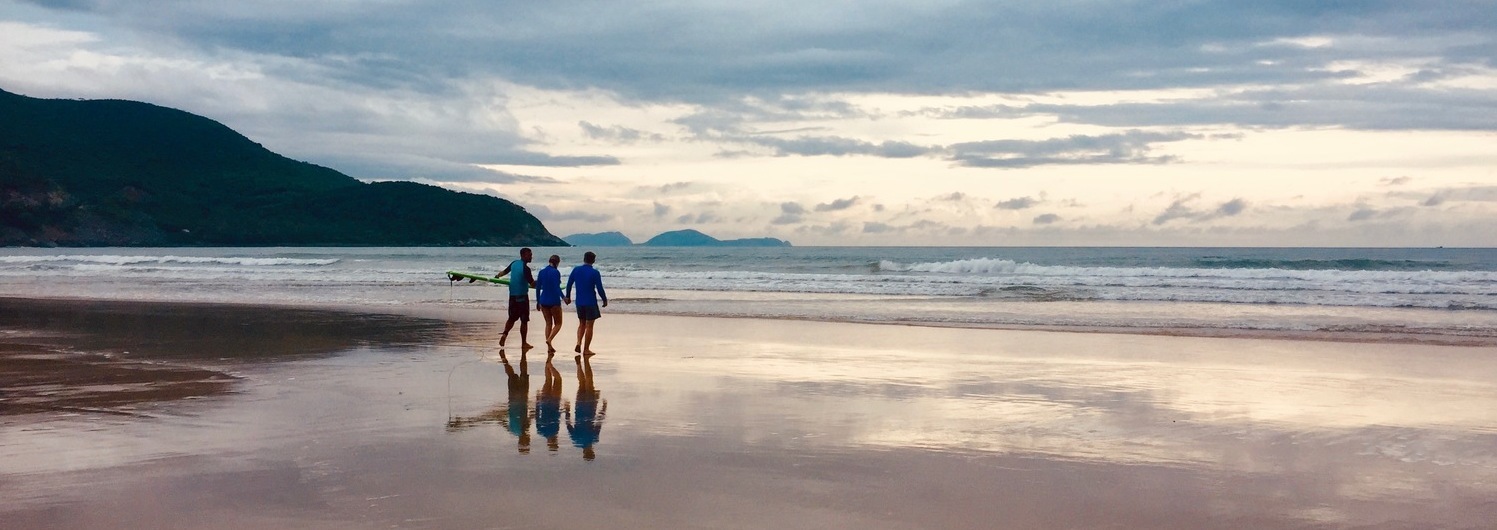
526	347
589	353
550	349
502	338
577	348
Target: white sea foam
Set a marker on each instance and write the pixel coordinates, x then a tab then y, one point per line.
163	260
1066	287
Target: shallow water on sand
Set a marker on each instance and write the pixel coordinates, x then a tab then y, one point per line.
742	423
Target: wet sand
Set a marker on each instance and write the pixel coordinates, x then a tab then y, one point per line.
137	415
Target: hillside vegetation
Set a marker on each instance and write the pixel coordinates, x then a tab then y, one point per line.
123	173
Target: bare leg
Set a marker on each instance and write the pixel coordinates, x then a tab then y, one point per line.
524	327
505	336
587	340
555	330
581	328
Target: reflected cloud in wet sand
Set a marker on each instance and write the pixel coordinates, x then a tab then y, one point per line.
754	424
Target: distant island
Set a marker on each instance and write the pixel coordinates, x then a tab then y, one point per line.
678	238
125	173
693	238
603	239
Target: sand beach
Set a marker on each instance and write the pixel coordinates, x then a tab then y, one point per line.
133	414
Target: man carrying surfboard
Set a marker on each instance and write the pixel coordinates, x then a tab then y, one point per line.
521	281
589	291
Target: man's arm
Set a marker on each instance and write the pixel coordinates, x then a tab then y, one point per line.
529	278
602	296
503	272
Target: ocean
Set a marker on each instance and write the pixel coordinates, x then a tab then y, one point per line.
1423	294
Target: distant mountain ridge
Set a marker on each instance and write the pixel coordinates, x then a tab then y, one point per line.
693	238
601	239
125	173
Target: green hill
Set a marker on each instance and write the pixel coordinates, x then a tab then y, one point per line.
124	173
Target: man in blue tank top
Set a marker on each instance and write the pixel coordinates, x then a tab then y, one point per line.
588	282
548	300
521	281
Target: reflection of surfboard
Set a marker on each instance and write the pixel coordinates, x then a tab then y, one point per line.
454	276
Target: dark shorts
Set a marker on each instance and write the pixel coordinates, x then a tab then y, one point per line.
588	312
519	308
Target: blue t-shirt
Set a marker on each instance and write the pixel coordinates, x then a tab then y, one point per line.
587	280
519	278
548	286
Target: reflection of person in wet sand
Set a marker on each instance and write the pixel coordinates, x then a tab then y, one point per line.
518	417
590	411
514	414
548	407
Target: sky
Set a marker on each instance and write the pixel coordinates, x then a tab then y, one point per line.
937	122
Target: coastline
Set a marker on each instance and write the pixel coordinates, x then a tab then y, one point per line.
336	419
485	308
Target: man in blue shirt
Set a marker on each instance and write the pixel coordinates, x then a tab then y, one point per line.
588	281
548	300
521	281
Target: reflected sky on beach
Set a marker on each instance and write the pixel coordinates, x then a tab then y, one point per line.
1390	420
709	422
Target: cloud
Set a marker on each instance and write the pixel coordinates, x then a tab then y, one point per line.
838	146
1045	219
661	210
546	214
1362	214
1131	147
837	205
1017	203
618	133
1177	210
699	219
1181	209
1230	208
790	213
1473	193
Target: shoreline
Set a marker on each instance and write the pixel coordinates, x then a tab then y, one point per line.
470	314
